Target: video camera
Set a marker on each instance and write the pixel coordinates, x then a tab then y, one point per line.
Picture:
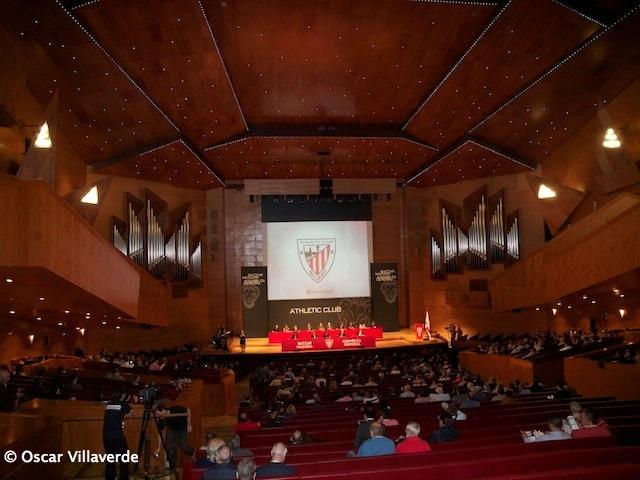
149	394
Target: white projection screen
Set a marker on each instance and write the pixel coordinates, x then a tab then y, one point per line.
311	260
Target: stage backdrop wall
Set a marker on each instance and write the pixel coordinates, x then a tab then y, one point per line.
384	294
253	292
301	312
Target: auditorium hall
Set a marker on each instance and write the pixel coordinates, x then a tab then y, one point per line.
319	240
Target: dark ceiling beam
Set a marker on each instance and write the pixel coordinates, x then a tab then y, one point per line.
454	147
224	65
184	138
141	150
326	131
457	63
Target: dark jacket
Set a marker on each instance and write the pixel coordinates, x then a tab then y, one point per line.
222	471
273	469
362	434
447	433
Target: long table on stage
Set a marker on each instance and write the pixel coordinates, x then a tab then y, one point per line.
280	337
338	343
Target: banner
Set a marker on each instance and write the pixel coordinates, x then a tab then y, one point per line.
302	312
385	289
328	344
253	293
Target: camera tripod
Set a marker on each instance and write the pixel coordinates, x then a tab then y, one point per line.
144	443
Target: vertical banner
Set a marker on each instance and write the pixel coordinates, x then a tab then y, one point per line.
253	292
384	295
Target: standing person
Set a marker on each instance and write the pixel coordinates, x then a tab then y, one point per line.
243	341
113	437
177	430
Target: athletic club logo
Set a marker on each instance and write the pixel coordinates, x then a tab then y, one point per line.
316	256
328	342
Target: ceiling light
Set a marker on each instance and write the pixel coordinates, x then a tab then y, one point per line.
545	192
117	327
43	140
82	330
91	196
31	338
559	304
537	309
38	318
12	312
616	291
8	280
584	297
622	312
41	299
569	306
622	295
66	311
611	139
59	324
554	310
104	323
593	301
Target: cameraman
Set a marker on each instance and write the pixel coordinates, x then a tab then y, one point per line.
113	437
177	423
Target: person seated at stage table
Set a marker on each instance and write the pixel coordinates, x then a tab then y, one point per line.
329	326
286	328
412	443
377	444
352	325
309	327
446	432
224	469
276	467
326	334
321	326
314	334
295	328
294	335
276	328
361	332
373	323
342	333
588	426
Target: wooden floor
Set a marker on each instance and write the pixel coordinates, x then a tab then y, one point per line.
402	338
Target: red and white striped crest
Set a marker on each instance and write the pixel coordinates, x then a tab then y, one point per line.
316	256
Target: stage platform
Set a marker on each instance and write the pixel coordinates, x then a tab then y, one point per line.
405	337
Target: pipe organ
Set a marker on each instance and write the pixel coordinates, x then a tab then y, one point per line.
475	236
158	240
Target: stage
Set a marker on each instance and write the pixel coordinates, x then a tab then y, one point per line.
405	337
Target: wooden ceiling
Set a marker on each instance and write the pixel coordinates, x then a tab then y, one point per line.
198	92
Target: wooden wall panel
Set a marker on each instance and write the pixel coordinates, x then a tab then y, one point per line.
608	239
505	369
621	381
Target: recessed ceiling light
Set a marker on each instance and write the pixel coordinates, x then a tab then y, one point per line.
91	197
8	280
66	311
43	140
117	327
12	312
545	192
41	299
38	318
611	139
59	324
593	301
104	323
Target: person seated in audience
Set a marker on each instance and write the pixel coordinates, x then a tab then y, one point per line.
224	469
300	438
158	365
115	375
500	396
463	400
446	432
370	397
291	411
370	383
407	393
236	450
412	443
273	421
420	398
362	433
276	467
245	424
508	397
452	409
563	390
571	423
439	396
212	453
246	469
208	436
74	385
554	433
377	444
476	393
386	418
345	398
589	427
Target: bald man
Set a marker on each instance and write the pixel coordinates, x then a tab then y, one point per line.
224	469
276	467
